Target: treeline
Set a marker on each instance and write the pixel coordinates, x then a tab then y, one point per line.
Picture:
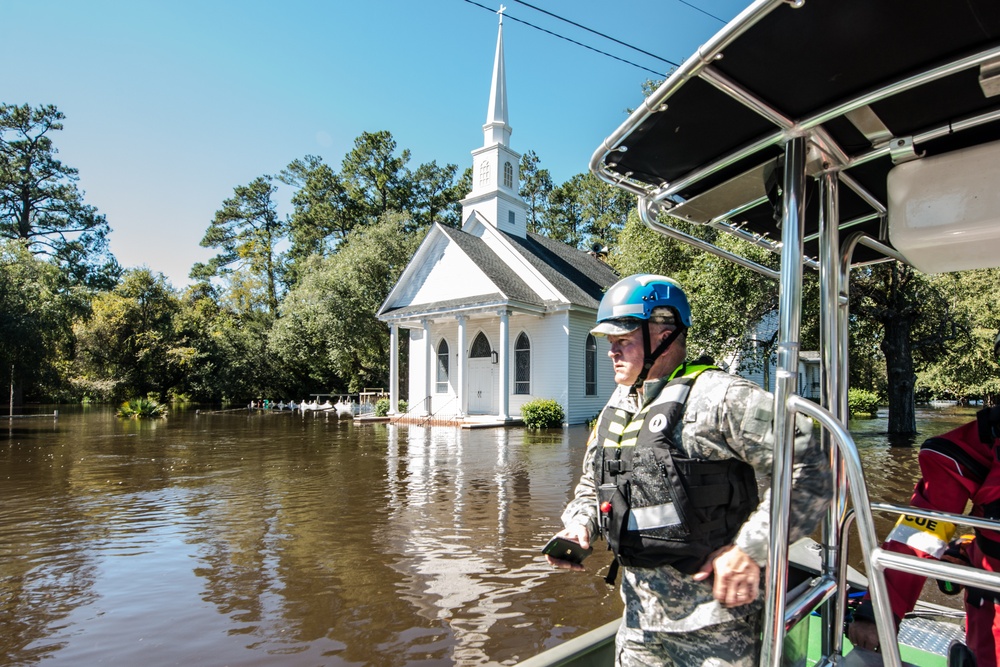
913	337
287	305
285	308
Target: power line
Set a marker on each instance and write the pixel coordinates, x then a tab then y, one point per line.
599	34
685	2
573	41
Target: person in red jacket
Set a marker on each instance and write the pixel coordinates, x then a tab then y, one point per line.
956	467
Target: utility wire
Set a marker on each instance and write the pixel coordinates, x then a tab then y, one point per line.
695	7
599	34
573	41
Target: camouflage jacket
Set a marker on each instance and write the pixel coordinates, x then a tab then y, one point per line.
725	417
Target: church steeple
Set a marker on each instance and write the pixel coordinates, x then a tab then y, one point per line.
494	199
497	130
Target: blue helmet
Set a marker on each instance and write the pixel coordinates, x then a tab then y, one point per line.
640	297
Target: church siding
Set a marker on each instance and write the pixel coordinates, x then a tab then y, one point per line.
417	371
436	277
548	362
582	407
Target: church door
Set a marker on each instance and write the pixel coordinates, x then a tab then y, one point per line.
481	376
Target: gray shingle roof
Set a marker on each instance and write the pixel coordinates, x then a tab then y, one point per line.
580	276
504	277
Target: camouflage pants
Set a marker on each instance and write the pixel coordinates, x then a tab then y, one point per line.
733	644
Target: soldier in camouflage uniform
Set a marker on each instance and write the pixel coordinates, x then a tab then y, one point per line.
702	611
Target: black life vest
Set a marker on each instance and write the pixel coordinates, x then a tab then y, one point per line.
657	506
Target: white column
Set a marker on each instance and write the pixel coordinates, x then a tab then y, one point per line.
504	370
428	366
393	369
460	370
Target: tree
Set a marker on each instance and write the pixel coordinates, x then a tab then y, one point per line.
40	203
917	326
536	186
605	209
729	302
642	250
563	220
34	322
323	215
452	215
434	188
328	325
124	348
247	230
969	371
377	178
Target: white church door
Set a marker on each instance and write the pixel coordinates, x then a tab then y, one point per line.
480	376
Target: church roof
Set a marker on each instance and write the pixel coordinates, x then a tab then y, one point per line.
580	276
503	276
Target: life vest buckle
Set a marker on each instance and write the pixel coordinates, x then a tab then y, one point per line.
614	466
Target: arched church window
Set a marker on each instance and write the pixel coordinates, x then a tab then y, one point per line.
442	367
522	365
480	347
590	363
484	173
508	175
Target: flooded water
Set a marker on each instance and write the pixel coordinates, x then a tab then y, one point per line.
236	539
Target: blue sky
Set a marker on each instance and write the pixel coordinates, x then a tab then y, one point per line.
170	105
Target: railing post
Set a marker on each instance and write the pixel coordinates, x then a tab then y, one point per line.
789	313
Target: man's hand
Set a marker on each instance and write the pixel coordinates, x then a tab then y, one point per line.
863	634
737	576
577	533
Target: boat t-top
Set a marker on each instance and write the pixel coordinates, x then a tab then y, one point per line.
834	133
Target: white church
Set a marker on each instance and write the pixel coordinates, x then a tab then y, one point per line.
496	316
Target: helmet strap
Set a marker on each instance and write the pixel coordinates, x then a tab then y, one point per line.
650	357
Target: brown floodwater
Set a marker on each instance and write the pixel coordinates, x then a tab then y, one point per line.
275	539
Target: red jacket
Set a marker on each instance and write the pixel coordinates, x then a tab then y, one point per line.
955	468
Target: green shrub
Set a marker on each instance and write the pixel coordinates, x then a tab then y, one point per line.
861	402
382	407
142	408
542	413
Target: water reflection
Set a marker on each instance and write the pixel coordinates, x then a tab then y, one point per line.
281	540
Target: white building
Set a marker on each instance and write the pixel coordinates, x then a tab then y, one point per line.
496	316
751	364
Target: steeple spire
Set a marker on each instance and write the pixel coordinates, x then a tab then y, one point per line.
494	200
497	130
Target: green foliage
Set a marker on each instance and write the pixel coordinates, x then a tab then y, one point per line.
585	210
728	301
970	370
382	407
328	326
542	413
34	317
376	177
40	203
324	213
142	408
536	186
127	342
861	402
247	231
916	324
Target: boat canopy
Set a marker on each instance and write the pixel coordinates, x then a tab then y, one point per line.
835	133
876	87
